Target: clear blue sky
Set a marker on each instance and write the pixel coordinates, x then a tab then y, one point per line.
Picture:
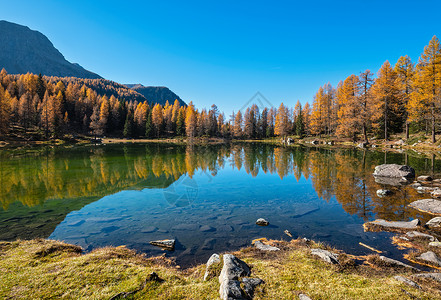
224	52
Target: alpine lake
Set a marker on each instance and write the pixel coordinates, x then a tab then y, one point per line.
207	197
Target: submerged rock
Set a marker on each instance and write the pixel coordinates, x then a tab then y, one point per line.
394	170
430	257
431	206
435	222
263	247
262	222
288	233
213	260
407	281
164	244
391	224
325	255
383	193
397	263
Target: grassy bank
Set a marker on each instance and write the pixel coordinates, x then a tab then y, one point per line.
48	269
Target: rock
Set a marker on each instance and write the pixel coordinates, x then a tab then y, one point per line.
424	178
325	255
394	262
435	222
314	142
407	281
262	222
392	224
164	244
383	193
394	170
214	259
232	269
413	234
149	229
263	247
430	257
249	285
363	145
207	228
288	233
431	206
209	244
416	185
436	193
435	276
304	297
331	143
435	244
425	189
436	180
400	143
374	146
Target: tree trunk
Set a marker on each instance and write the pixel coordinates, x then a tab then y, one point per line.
365	133
407	130
433	125
385	119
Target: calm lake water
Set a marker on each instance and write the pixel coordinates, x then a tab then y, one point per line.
206	197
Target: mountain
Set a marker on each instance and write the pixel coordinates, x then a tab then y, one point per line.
23	50
156	94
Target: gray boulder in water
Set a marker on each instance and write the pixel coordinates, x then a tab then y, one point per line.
394	170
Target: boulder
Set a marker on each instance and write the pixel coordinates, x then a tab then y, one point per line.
383	193
430	206
435	244
436	193
213	260
434	276
394	170
263	247
430	258
425	189
435	222
249	285
391	224
262	222
164	244
413	234
325	255
396	263
424	178
304	297
232	269
407	281
415	185
393	181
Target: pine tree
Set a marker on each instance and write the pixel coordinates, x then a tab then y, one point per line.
180	122
148	123
128	131
300	126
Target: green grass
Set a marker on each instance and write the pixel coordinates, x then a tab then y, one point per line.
40	269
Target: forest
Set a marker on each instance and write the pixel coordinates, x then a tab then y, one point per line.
401	98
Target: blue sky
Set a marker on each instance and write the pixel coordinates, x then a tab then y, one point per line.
224	52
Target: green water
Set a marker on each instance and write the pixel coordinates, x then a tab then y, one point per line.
206	197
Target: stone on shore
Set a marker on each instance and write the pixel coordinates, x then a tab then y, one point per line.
407	281
383	193
425	189
424	178
393	181
394	170
164	244
435	244
435	222
430	206
213	260
304	297
262	222
249	285
325	255
436	193
397	263
430	257
413	234
232	269
263	247
391	225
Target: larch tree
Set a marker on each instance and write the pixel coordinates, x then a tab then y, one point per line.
157	119
5	107
307	117
348	104
365	82
190	120
237	128
425	97
281	127
386	111
405	70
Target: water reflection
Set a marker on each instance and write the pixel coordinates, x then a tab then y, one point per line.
39	188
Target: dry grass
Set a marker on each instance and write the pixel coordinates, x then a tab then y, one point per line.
42	269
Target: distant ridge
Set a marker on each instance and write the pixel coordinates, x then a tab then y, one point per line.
23	50
156	94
